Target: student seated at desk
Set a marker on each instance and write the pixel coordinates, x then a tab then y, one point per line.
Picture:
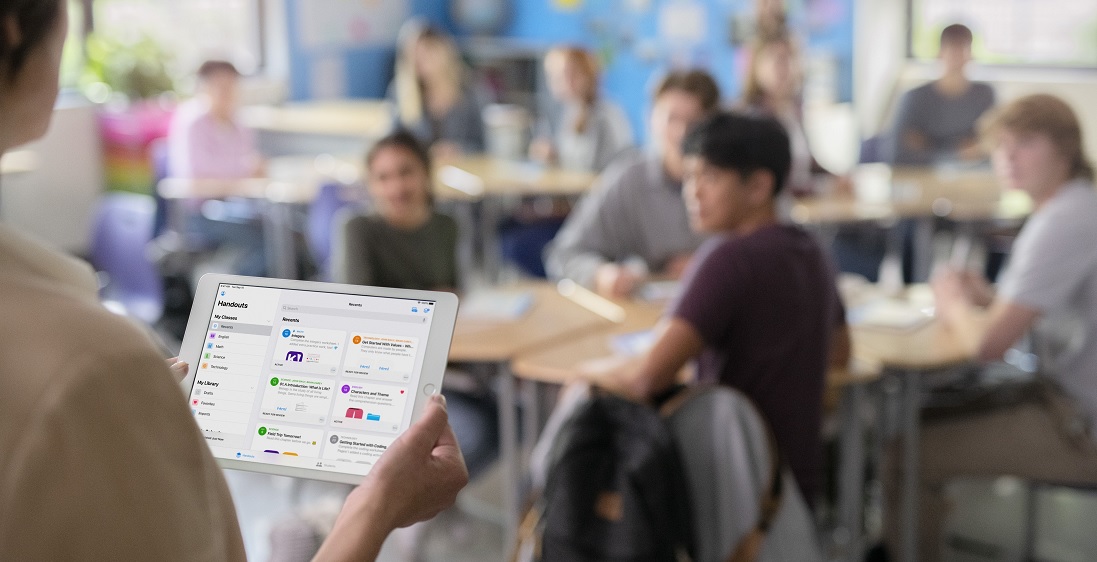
205	142
590	130
404	243
433	97
1048	290
633	223
773	87
759	308
936	122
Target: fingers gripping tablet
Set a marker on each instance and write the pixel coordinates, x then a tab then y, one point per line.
311	379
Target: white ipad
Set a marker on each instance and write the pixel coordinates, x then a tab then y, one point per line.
313	380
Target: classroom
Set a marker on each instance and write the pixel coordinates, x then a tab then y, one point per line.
548	280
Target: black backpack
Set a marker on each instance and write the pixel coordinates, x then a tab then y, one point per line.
615	491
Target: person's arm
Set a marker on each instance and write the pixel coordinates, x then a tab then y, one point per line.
655	371
594	234
985	339
703	313
416	478
906	143
841	347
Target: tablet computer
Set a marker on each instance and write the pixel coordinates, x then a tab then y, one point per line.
307	379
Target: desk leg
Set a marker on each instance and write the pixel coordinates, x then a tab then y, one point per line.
278	232
852	482
511	460
489	237
911	436
923	249
465	215
531	416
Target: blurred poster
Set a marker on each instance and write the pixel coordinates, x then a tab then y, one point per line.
349	23
567	5
683	22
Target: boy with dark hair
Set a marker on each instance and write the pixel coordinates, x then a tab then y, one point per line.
936	122
759	308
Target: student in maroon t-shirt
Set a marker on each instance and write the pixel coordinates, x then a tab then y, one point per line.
759	309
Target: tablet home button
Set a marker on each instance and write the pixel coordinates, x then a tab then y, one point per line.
429	389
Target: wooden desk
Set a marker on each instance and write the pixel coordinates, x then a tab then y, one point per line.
551	319
894	193
557	364
910	354
477	177
353	118
251	188
275	199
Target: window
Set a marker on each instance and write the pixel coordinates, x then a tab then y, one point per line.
1013	32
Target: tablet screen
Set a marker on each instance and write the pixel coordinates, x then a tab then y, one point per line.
308	379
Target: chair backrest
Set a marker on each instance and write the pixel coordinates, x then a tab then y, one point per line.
321	218
123	228
725	450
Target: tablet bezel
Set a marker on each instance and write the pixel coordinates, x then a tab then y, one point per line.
435	356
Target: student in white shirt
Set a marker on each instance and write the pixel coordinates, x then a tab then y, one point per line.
101	458
1048	291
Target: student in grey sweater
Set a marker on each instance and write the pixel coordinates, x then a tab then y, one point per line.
936	122
634	223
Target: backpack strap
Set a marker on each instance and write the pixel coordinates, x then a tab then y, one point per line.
750	546
529	537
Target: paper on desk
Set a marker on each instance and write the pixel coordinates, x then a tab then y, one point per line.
495	306
890	314
656	291
633	343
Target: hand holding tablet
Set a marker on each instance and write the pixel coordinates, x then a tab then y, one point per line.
310	379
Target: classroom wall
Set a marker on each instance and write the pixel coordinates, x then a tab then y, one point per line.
352	66
638	39
56	202
641	39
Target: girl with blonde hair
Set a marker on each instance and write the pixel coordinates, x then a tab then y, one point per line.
589	130
432	95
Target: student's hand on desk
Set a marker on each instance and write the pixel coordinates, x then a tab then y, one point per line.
843	187
416	478
915	141
677	266
948	293
446	151
609	373
540	150
615	281
971	151
978	290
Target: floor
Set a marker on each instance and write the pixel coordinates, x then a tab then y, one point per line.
469	532
987	524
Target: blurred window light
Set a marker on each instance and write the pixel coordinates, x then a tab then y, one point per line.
1060	33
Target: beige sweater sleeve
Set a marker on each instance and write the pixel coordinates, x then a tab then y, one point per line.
114	468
